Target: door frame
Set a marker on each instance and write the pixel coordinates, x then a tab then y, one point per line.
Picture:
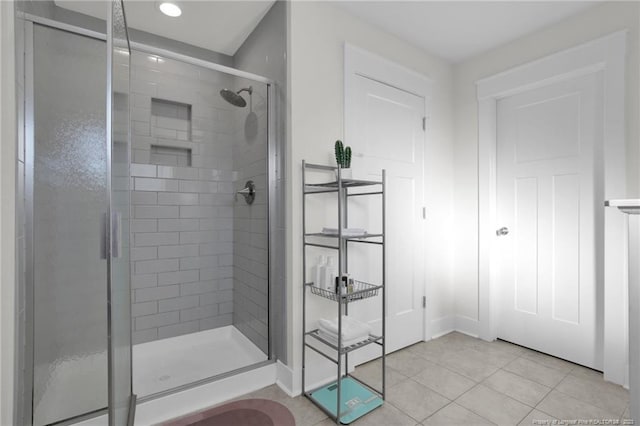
362	63
607	56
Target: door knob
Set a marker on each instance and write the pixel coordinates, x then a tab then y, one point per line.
502	231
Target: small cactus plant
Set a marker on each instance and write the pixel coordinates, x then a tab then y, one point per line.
347	157
343	155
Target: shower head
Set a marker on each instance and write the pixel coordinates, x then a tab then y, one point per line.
234	98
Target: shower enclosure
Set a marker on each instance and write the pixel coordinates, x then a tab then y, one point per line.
146	204
200	249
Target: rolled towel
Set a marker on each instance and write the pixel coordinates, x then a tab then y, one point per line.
351	328
334	339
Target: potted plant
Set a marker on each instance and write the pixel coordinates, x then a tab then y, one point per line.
343	158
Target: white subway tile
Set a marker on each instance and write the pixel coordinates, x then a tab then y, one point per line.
177	198
178	303
143	170
144	88
144	253
199	312
151	266
144	225
155	238
198	262
156	293
156	212
140	128
225	308
141	155
148	198
178	329
178	277
157	320
197	211
140	114
151	184
164	133
178	224
176	124
197	288
215	322
144	280
141	101
186	250
216	248
225	284
216	273
144	336
144	308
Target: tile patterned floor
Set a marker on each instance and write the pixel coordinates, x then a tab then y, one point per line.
460	380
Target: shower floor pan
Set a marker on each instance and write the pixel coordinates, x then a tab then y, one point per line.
165	364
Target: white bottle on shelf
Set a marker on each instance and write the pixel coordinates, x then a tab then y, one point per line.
317	270
330	274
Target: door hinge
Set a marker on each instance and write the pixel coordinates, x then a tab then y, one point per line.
424	301
424	212
424	123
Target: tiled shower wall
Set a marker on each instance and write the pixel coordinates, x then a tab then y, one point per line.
250	222
182	203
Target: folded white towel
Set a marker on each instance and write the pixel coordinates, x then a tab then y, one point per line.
346	232
334	339
351	328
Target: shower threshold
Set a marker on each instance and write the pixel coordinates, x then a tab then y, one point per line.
166	364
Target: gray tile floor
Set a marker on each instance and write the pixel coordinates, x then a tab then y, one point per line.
459	380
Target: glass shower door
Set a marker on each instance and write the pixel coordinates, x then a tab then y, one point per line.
66	163
121	398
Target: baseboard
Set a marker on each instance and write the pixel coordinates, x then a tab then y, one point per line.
442	326
285	380
466	325
290	381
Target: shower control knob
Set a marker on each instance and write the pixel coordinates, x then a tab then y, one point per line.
502	231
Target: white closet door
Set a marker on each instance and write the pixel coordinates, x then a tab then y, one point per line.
550	199
388	134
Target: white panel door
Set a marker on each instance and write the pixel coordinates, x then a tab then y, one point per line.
387	133
549	196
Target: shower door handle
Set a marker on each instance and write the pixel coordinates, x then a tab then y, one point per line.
104	231
116	235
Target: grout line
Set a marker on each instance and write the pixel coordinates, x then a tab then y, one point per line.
528	378
469	409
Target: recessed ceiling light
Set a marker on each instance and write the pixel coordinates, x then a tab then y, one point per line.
170	9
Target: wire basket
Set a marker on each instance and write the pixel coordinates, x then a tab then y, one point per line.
361	290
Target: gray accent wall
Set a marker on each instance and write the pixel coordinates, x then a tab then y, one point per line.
264	53
251	225
183	199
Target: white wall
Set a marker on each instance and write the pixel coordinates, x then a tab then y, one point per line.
595	22
7	206
318	32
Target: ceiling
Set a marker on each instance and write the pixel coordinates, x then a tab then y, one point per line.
459	30
221	26
454	30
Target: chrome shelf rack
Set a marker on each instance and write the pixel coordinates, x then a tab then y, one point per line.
338	353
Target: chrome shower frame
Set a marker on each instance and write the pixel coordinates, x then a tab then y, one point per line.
24	200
